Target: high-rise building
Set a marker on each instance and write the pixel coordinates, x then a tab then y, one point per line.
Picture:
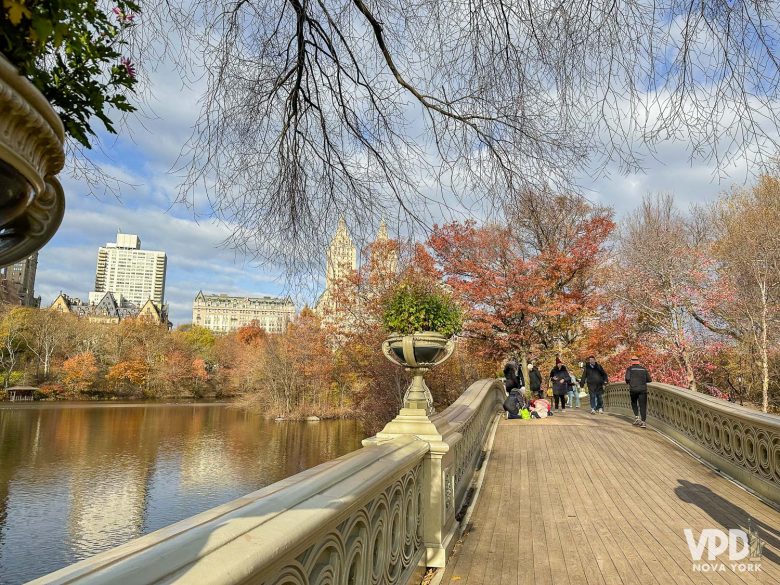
22	275
222	313
340	262
341	258
124	269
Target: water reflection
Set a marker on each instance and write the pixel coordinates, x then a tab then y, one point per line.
77	479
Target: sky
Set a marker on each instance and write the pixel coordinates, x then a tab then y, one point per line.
143	155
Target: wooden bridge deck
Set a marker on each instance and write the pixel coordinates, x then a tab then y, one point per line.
586	499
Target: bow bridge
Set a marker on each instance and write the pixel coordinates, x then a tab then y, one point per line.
576	498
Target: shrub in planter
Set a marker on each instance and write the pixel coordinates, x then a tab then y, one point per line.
417	308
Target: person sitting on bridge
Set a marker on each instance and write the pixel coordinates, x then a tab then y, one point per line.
560	382
595	377
540	408
637	378
534	381
514	403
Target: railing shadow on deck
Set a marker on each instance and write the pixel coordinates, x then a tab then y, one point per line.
737	441
380	514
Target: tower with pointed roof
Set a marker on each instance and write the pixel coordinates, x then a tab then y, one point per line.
340	262
385	255
341	257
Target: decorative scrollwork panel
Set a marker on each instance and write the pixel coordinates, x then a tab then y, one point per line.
381	542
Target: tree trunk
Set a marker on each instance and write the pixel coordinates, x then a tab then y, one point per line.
684	353
689	369
46	360
764	354
524	368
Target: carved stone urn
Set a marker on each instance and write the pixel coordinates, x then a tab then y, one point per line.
32	138
418	353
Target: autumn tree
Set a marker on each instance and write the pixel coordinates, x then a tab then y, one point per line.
526	286
45	334
129	374
199	339
12	344
251	334
80	372
174	373
744	240
660	269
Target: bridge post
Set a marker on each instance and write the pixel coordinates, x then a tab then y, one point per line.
438	513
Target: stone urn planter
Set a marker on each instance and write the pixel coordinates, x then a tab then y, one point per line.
32	138
418	353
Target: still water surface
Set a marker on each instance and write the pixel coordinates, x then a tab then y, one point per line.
77	479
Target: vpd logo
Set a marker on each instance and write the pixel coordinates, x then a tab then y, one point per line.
713	542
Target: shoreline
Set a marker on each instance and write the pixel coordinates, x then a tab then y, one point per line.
161	403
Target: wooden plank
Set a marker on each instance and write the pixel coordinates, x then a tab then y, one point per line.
609	523
563	493
468	565
658	506
629	510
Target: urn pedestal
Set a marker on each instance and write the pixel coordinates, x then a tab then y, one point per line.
417	353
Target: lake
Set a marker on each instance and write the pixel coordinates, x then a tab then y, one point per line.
79	478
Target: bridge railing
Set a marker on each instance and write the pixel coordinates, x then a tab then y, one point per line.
377	515
742	443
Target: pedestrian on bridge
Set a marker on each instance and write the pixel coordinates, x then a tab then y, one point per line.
534	381
560	378
595	377
574	392
511	381
637	378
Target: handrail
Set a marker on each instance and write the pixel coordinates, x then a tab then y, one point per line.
377	515
741	442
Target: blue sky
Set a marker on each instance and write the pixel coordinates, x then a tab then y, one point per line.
146	151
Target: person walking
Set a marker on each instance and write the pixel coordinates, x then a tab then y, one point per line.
534	381
595	377
637	378
560	378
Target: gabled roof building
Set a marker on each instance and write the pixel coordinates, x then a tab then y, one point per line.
110	308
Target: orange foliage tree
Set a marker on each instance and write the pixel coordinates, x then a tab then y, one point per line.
524	296
80	372
125	374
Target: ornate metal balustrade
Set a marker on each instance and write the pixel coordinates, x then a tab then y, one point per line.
742	443
380	514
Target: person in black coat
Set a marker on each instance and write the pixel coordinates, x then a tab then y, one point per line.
510	377
560	382
637	378
534	381
595	377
